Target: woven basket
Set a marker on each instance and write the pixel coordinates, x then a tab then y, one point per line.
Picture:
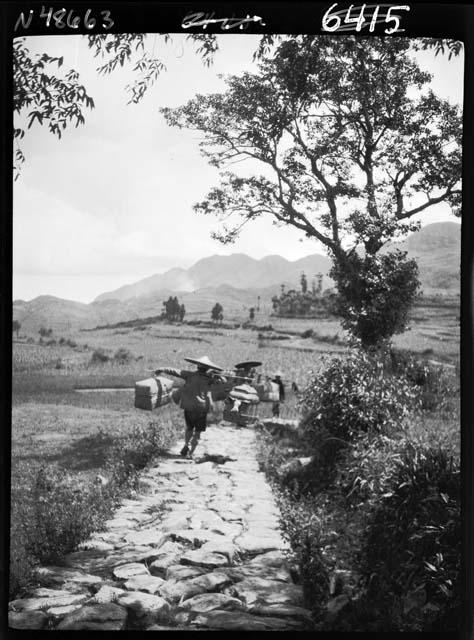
153	393
246	415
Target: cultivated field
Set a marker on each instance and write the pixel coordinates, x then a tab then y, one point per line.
60	419
52	420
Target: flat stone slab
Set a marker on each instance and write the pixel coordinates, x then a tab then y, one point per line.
160	565
46	592
104	562
212	581
262	591
242	571
101	617
126	571
170	554
150	584
241	621
178	590
35	604
181	572
254	545
283	611
205	519
205	558
160	627
62	575
27	619
149	537
269	559
60	612
107	593
209	601
144	604
223	547
175	521
228	529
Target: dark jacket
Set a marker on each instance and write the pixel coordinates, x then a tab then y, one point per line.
196	388
281	386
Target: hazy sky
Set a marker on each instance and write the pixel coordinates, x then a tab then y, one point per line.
111	202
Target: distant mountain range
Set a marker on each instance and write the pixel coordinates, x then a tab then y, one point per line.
236	281
237	270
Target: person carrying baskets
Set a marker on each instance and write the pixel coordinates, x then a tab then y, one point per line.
195	398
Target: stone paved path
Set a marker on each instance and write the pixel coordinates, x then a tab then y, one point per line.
198	548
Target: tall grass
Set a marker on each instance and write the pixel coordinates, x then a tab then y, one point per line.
53	509
380	499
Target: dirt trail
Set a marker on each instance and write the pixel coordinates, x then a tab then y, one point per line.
199	547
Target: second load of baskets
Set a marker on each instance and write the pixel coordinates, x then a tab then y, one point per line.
241	389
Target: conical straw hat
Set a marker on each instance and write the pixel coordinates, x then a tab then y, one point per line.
204	360
248	363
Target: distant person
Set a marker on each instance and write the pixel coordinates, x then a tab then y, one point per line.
294	388
195	398
247	369
276	405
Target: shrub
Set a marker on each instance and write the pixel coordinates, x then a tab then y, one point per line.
303	529
63	513
56	511
59	364
353	395
71	343
365	471
132	452
411	560
122	356
307	334
99	356
438	387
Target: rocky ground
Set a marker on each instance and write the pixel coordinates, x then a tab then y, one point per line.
198	547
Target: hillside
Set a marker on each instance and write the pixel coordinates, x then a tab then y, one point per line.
236	281
437	249
237	270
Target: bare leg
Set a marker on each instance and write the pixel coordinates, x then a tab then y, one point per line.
187	436
194	441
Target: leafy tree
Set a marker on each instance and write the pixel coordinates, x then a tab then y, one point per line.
172	309
217	313
353	145
304	283
60	101
440	45
374	299
47	97
16	326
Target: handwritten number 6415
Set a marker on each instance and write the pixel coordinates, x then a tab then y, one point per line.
332	20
